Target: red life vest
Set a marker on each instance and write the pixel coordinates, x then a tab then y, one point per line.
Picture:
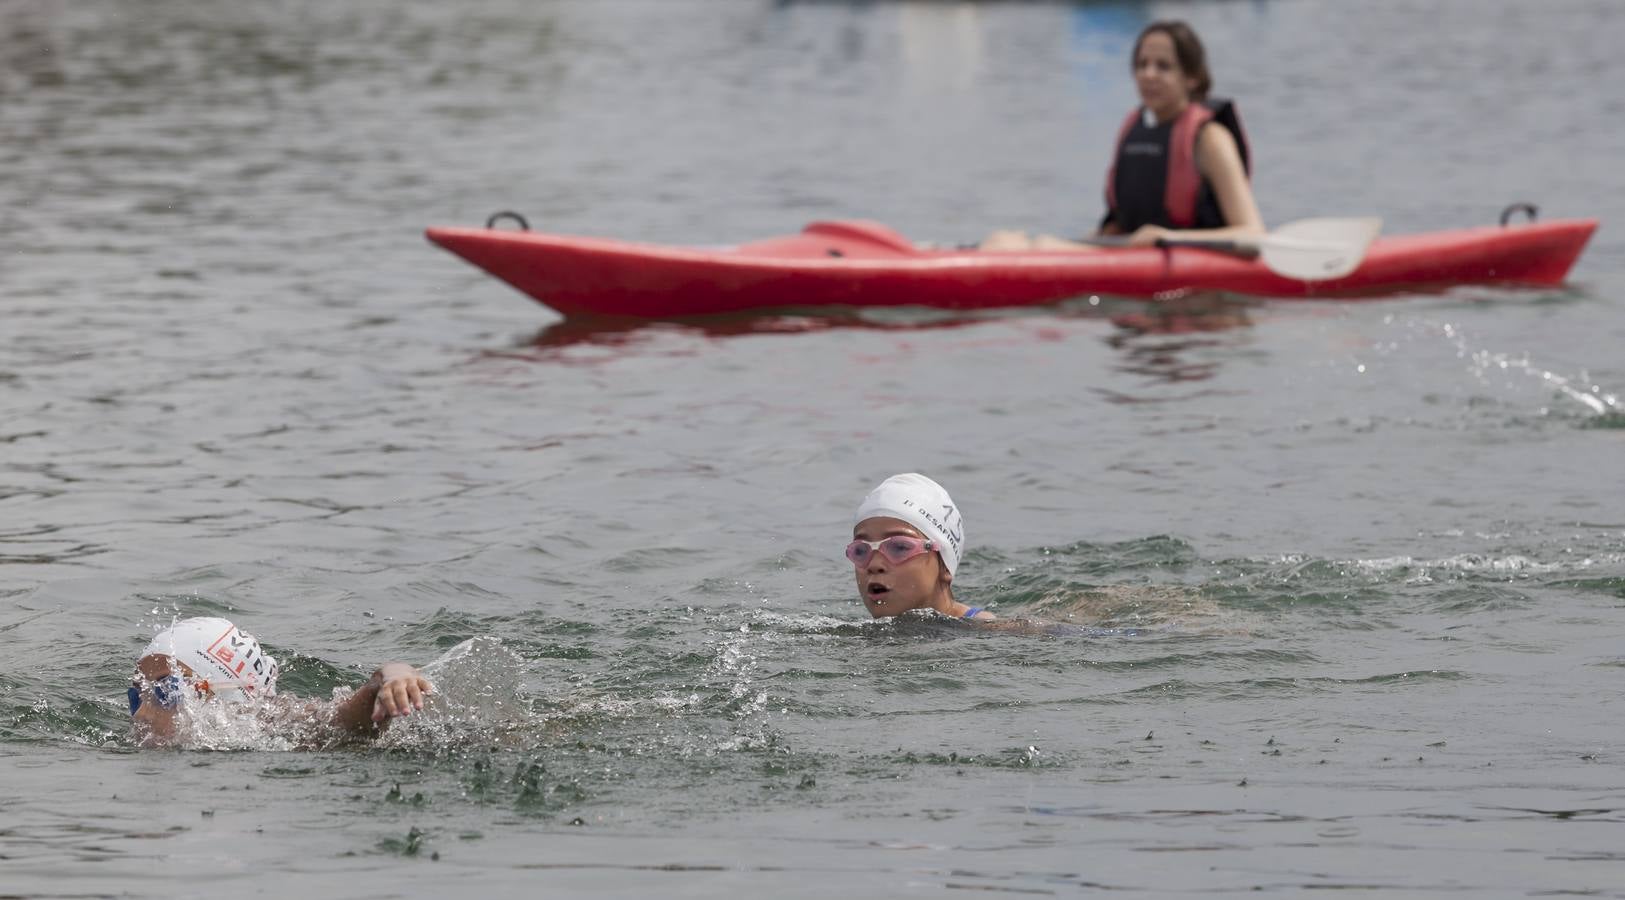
1159	160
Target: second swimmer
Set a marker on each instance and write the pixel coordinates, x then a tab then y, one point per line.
906	545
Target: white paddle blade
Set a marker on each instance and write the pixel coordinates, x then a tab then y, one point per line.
1318	249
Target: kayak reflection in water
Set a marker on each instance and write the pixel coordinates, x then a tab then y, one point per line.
204	672
906	545
1172	176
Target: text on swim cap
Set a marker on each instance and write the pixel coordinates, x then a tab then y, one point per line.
252	664
941	524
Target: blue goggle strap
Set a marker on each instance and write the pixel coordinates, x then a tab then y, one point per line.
166	691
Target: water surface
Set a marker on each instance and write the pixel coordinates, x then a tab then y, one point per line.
1340	583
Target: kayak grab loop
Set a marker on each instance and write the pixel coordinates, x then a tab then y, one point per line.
1528	209
523	225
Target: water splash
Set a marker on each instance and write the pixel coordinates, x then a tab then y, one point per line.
478	699
262	725
1465	562
1581	389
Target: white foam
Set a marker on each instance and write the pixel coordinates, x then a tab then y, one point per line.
1466	562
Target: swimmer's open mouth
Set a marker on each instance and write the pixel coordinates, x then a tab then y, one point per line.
875	590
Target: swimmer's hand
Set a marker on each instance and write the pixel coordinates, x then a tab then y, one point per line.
395	690
400	691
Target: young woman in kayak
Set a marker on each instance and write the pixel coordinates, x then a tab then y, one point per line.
1172	174
906	545
195	664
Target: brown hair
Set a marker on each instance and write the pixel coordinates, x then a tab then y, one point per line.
1187	49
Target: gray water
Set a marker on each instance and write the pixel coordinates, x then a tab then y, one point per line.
1341	584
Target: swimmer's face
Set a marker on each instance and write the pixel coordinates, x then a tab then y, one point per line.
888	588
154	720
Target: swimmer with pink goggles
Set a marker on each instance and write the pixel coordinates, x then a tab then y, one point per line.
906	543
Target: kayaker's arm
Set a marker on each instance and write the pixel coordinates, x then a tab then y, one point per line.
1219	161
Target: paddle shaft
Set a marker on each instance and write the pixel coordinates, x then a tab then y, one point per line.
1221	245
1307	249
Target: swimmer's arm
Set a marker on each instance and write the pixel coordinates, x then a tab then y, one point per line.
396	689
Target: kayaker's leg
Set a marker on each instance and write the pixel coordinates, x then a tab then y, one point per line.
1051	242
1006	241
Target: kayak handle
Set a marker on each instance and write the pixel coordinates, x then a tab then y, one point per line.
1528	209
507	214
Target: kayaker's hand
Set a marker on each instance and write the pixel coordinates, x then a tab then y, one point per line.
1147	236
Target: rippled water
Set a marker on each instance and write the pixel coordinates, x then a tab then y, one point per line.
1333	591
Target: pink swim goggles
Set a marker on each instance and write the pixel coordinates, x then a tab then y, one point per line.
897	549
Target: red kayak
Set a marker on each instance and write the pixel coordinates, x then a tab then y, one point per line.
865	264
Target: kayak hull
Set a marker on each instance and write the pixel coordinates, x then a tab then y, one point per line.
863	264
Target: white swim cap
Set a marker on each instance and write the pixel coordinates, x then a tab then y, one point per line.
217	652
923	503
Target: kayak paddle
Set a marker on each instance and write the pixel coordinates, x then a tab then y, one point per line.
1304	250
